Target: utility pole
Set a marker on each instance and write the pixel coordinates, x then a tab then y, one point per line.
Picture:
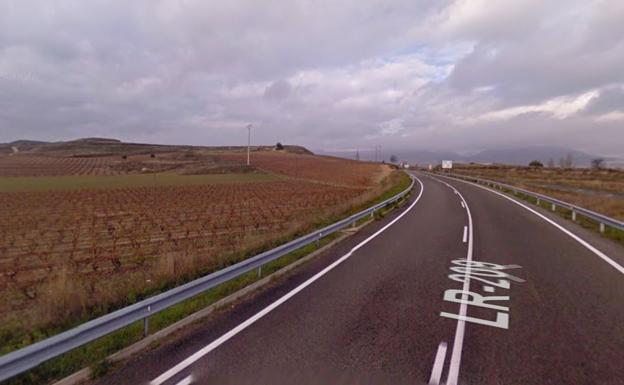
248	141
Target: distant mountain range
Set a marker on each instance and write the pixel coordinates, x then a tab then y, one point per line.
516	155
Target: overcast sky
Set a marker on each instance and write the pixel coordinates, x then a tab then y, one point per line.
443	75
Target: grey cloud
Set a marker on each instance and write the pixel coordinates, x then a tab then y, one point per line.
278	90
610	99
547	50
321	74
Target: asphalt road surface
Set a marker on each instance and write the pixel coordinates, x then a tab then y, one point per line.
461	286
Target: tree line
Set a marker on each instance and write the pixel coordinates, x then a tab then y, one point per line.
568	162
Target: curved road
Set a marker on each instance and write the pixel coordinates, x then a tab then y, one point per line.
463	286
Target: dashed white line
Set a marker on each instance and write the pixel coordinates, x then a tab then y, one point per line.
219	341
462	203
586	244
458	342
465	237
438	365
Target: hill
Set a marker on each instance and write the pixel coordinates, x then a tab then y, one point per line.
87	147
111	157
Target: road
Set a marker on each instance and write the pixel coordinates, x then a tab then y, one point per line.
462	286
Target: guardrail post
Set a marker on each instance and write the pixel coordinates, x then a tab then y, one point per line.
146	323
602	220
372	214
259	271
318	240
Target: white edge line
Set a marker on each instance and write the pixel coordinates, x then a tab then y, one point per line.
458	342
216	343
438	364
587	245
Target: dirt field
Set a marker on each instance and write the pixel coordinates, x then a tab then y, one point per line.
327	169
598	190
79	236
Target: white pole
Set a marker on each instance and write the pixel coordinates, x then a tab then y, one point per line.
248	141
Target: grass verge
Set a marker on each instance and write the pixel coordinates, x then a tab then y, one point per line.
94	354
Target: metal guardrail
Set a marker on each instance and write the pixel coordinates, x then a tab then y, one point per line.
602	220
26	358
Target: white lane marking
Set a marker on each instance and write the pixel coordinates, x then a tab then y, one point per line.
465	237
438	365
219	341
187	381
458	342
462	203
586	244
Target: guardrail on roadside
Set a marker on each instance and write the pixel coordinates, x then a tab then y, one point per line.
602	220
28	357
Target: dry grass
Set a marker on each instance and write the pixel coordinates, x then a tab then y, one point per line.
598	190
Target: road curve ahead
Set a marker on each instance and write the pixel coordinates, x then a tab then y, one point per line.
462	286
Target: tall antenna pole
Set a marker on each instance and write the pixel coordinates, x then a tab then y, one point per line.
248	141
